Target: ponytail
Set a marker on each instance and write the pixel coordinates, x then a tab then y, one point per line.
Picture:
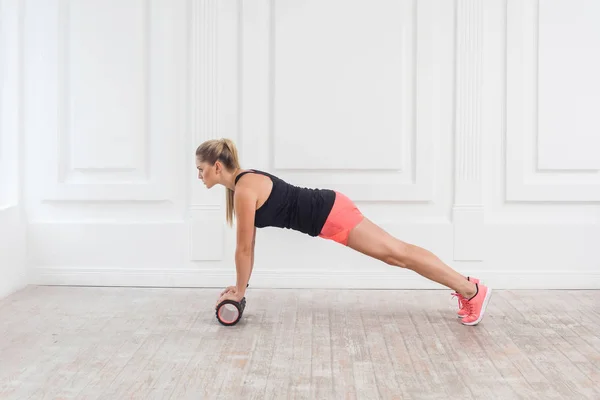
229	147
223	150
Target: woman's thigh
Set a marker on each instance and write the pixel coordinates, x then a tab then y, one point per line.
372	240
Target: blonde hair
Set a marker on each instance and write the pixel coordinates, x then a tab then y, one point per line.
223	150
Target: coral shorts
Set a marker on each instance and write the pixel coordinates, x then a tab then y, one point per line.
343	217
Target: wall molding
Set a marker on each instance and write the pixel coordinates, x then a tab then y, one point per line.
206	228
468	211
469	68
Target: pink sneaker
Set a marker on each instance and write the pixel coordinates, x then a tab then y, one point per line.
461	300
476	305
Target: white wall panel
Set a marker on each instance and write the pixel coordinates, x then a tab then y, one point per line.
104	71
104	101
410	195
541	224
537	107
105	107
314	113
568	85
322	77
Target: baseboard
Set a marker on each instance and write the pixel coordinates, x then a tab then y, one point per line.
392	279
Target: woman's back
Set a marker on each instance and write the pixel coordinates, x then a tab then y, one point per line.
292	207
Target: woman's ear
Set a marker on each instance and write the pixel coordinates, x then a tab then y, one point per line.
218	167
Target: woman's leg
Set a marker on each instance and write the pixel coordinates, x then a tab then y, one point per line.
368	238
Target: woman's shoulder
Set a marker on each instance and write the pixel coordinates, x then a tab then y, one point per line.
254	180
253	175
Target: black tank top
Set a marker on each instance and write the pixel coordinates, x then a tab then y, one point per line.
292	207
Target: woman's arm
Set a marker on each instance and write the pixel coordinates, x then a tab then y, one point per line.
245	207
253	246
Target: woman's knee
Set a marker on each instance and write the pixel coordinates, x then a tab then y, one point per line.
397	253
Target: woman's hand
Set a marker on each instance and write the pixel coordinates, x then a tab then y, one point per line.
230	295
229	289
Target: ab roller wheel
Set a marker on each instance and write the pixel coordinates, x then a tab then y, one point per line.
229	312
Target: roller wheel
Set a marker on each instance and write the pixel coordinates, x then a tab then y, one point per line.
230	312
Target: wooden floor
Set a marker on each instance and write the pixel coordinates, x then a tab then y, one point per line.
143	343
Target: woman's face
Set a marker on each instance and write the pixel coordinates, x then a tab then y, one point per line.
206	173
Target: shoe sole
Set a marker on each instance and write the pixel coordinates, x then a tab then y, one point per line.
488	295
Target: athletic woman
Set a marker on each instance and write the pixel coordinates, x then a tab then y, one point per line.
259	199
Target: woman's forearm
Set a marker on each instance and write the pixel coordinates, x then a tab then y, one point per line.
253	246
243	264
251	263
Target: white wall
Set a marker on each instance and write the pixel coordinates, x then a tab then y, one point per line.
13	264
465	127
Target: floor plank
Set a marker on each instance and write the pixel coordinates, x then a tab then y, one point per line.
151	343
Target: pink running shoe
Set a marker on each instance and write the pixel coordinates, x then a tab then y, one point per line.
461	300
476	305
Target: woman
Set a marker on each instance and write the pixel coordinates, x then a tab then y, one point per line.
259	199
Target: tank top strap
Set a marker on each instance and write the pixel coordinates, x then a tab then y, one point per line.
250	171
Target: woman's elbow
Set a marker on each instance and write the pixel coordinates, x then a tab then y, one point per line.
243	251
